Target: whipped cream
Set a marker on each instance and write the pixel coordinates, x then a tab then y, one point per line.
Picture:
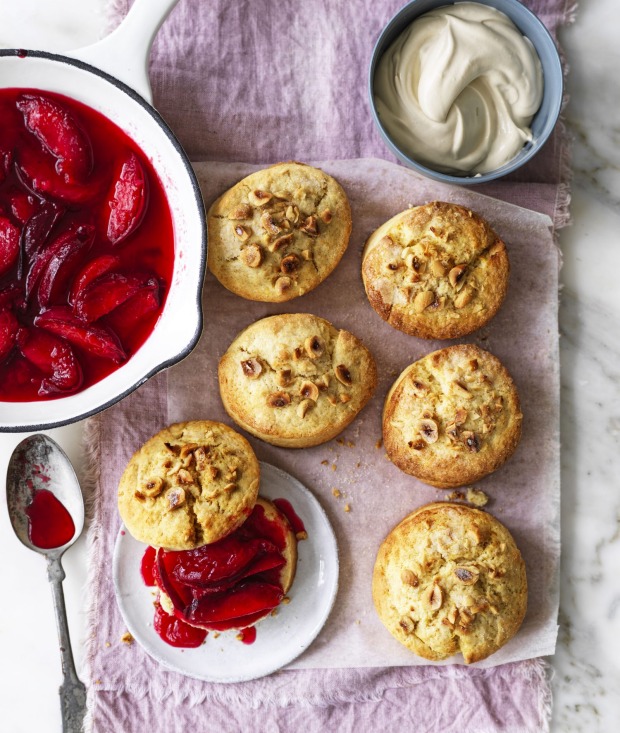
458	89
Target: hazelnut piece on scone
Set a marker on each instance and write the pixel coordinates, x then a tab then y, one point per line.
279	232
470	594
316	380
436	271
452	417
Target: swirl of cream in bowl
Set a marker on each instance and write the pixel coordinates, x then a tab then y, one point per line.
458	89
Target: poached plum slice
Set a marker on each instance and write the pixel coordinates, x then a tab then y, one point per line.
37	174
60	134
221	560
107	292
9	244
12	295
91	271
247	598
23	205
8	332
62	250
127	200
39	226
97	340
52	356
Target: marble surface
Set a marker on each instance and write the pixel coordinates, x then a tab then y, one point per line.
586	666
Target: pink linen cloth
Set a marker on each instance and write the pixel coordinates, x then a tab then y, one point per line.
264	81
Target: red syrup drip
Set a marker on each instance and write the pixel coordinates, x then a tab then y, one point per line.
296	523
176	632
49	523
53	225
247	636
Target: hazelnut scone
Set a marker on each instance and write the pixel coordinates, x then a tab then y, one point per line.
452	417
449	578
294	380
191	484
279	232
436	271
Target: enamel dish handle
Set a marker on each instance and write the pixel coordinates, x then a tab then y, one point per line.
124	53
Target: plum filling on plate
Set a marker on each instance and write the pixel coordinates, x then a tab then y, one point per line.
230	584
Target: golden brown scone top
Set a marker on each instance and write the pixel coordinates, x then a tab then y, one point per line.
191	484
449	579
279	232
435	271
295	379
452	417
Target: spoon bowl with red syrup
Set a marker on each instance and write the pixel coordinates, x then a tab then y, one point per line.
46	508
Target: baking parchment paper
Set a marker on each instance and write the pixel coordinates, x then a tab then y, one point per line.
524	493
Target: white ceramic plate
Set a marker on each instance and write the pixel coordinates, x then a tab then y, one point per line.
280	638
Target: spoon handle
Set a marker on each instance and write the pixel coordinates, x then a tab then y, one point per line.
72	691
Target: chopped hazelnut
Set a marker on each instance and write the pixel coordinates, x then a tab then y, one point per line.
343	375
279	399
259	198
309	390
314	347
175	498
252	368
252	255
243	211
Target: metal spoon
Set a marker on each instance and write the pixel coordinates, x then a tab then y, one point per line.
39	463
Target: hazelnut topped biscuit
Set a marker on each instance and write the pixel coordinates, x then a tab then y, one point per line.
295	380
191	484
279	232
452	417
449	579
436	271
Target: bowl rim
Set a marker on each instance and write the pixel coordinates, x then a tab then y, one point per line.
197	204
396	22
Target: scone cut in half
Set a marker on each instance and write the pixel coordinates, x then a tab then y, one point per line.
436	271
295	380
190	485
450	579
279	232
220	556
452	417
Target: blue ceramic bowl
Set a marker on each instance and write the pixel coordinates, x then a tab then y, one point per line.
544	120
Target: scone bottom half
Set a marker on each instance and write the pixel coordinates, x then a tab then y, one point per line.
190	485
452	417
279	232
233	583
450	579
436	271
295	380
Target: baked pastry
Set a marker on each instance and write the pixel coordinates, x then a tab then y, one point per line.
452	417
191	484
436	271
294	380
279	232
449	579
232	583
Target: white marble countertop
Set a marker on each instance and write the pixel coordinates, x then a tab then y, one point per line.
586	666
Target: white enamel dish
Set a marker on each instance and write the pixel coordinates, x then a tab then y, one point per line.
123	95
279	639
